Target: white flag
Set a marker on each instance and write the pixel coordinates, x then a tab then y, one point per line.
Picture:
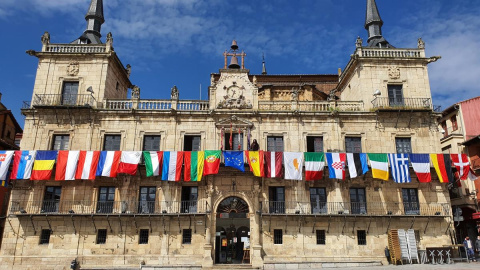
293	165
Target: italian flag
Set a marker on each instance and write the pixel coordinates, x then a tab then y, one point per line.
379	164
153	162
212	162
314	164
194	162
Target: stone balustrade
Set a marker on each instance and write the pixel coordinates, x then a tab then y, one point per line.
390	52
193	105
75	48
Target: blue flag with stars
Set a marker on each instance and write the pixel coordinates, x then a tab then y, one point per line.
234	159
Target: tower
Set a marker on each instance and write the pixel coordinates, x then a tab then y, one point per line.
373	24
94	20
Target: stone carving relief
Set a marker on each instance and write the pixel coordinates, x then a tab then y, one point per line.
234	99
174	93
358	42
73	68
46	38
135	92
421	43
394	72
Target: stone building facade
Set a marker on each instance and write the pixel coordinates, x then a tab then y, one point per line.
381	103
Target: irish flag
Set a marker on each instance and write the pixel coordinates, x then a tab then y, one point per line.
314	164
129	162
255	160
379	164
66	165
172	165
193	170
212	162
153	162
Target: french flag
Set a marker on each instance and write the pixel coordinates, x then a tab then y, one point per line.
421	166
129	162
108	163
172	165
23	164
87	165
66	165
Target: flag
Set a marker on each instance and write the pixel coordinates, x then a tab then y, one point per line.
66	165
153	162
5	159
379	164
129	162
255	161
234	159
471	175
336	165
22	164
357	164
443	167
293	165
421	166
172	165
460	161
194	162
87	165
108	163
212	162
314	164
399	165
43	165
273	160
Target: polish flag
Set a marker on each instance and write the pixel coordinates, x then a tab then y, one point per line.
108	163
129	162
460	161
172	165
87	165
66	165
273	160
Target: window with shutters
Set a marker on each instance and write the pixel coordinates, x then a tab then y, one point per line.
395	95
191	143
112	142
404	145
146	200
237	140
275	143
69	93
314	144
60	142
151	143
276	198
444	127
51	199
353	144
454	123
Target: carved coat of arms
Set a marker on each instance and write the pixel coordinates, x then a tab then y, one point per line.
394	72
73	68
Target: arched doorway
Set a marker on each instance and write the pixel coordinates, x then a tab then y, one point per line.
232	238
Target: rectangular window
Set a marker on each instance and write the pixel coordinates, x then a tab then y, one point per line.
187	236
314	144
189	200
454	123
275	143
444	127
410	201
151	143
69	93
146	200
276	198
318	200
362	237
237	140
277	237
60	142
143	236
395	95
320	237
358	201
106	199
51	199
353	144
101	236
403	145
191	143
45	237
112	142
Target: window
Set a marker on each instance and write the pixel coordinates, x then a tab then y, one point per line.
275	143
358	201
60	142
112	143
9	134
143	236
361	237
320	237
117	87
187	236
151	143
276	198
146	200
69	93
189	200
314	144
395	95
353	144
45	237
106	198
445	130
191	143
447	149
101	236
51	199
237	140
318	200
410	201
454	123
404	145
277	237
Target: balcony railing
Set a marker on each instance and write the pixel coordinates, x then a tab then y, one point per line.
75	48
387	103
391	53
67	100
355	208
81	207
156	105
310	106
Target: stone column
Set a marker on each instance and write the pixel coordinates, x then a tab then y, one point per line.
255	246
208	246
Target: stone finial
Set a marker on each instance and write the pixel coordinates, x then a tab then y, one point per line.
109	38
135	92
128	70
421	43
174	93
358	42
45	38
294	94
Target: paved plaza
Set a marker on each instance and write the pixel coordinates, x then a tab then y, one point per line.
458	265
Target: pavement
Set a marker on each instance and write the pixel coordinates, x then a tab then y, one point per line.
457	265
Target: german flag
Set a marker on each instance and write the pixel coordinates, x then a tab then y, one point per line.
43	165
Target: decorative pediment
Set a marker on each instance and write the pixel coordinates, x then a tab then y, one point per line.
234	90
234	121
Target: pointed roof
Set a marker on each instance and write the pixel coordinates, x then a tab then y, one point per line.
264	69
373	24
372	14
94	20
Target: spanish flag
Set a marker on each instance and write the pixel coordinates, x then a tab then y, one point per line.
255	160
43	165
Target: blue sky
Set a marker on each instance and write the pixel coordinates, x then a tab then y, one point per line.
180	42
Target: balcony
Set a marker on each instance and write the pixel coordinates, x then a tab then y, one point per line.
355	208
407	104
156	105
59	100
311	106
76	48
81	207
390	53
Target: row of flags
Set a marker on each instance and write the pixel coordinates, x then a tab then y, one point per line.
71	165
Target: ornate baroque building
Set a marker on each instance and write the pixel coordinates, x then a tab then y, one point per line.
379	103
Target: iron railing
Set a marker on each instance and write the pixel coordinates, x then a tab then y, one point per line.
402	103
78	207
355	208
63	100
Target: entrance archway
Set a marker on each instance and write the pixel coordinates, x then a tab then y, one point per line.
232	238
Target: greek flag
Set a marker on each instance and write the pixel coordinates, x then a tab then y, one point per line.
400	170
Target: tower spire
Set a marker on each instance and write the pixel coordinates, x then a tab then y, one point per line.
373	24
264	69
94	20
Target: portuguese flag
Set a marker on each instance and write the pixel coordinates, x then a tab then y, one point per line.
212	162
193	169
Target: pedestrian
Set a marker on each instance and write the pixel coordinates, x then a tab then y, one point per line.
477	245
254	146
469	248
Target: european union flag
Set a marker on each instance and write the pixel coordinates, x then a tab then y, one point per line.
234	159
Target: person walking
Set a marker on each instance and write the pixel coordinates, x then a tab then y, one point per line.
477	245
467	243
